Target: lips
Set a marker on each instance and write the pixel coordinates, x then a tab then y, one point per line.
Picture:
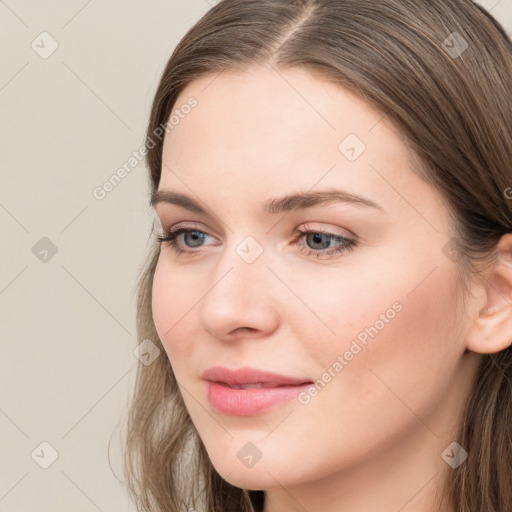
253	377
248	391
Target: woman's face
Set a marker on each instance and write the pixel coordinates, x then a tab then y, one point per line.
374	324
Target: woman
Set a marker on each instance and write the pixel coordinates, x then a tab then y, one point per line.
332	283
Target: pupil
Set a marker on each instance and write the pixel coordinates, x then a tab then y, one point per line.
194	235
317	238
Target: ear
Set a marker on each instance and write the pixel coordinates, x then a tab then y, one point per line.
491	330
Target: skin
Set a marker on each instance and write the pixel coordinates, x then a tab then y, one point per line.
372	438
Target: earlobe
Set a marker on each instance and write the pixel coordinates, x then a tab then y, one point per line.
491	330
491	333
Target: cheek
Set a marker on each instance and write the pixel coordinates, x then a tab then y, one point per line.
399	343
161	303
392	321
171	301
401	373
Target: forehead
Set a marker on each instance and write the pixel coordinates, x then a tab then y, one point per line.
290	103
265	131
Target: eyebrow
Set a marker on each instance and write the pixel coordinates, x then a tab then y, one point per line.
287	203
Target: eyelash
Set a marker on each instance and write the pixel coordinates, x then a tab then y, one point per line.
347	245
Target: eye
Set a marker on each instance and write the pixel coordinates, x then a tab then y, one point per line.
318	239
323	239
194	236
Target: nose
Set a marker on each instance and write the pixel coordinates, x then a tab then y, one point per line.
241	299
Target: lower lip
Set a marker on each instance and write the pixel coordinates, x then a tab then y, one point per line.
248	402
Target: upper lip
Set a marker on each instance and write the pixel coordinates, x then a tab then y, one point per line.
248	375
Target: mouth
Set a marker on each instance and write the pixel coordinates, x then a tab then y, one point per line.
250	376
248	391
250	399
260	385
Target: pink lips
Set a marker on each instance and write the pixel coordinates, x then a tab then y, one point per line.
248	391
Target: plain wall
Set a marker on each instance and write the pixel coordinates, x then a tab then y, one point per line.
67	318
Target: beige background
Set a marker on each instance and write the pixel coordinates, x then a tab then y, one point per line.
68	122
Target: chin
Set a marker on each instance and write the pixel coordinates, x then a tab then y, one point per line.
249	480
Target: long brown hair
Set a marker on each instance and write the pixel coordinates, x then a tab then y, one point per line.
441	71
